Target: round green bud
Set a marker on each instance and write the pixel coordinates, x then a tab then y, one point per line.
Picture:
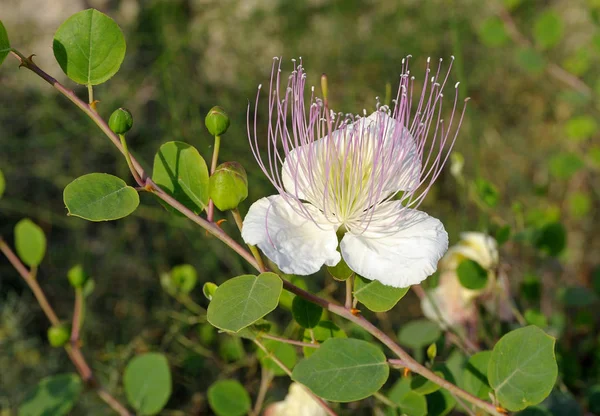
184	277
58	335
120	121
77	276
216	121
228	186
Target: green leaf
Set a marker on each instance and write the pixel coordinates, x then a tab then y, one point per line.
548	29
492	32
322	332
471	275
228	398
535	317
243	300
2	184
147	383
306	313
419	333
410	403
181	172
530	60
30	242
343	370
55	395
522	369
565	165
440	403
423	386
100	197
4	47
593	399
89	47
487	192
475	379
551	238
340	271
581	127
286	353
580	204
376	296
184	277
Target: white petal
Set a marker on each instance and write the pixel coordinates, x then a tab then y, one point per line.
475	246
406	254
294	243
449	304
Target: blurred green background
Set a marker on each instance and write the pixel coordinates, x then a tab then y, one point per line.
530	147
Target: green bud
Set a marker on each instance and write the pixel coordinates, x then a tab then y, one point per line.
216	121
184	277
228	186
167	284
120	121
58	335
77	276
209	290
432	351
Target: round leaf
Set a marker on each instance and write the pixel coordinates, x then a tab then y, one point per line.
548	29
243	300
4	47
377	296
181	172
440	403
423	386
147	382
475	375
184	277
343	370
89	47
30	242
409	402
286	353
100	197
492	32
55	395
228	398
471	275
419	333
522	368
306	313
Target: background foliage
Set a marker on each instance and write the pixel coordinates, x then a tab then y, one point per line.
529	147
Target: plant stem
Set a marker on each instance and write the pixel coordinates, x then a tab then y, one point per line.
349	286
73	351
289	341
266	377
77	312
239	222
286	370
91	96
31	282
213	167
210	227
134	172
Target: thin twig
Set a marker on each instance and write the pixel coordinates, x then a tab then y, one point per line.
289	341
266	376
349	286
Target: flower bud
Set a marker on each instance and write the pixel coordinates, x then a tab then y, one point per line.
209	290
120	121
228	186
77	276
58	335
216	121
184	277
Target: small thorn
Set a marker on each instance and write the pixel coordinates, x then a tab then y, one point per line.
406	372
93	104
355	311
501	410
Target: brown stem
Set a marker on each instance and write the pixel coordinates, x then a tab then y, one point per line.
31	282
73	351
349	284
